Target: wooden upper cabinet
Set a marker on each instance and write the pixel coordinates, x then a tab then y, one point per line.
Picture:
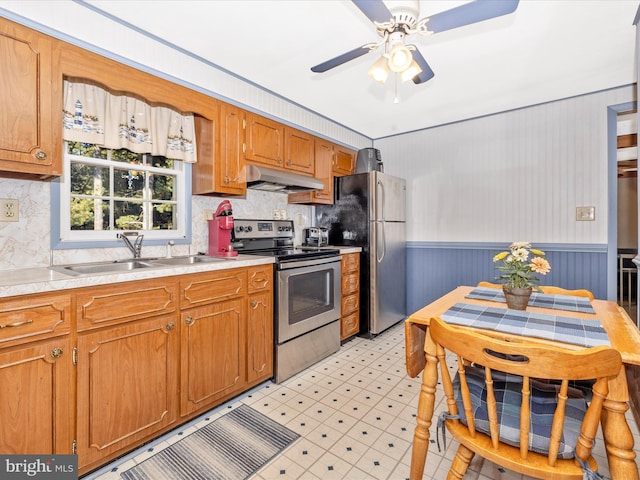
230	165
344	161
220	166
299	154
323	171
264	141
30	97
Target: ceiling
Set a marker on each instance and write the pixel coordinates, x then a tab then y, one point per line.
544	51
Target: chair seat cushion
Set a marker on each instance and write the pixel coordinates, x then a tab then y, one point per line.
508	393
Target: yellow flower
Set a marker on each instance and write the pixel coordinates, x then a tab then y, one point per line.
537	252
540	265
500	256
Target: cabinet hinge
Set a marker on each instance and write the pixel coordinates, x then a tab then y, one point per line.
244	123
74	447
244	148
74	356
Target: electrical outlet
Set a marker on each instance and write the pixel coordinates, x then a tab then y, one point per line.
208	214
9	210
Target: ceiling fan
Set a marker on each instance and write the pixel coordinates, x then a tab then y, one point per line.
400	19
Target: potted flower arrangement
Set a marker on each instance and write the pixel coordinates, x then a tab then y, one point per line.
519	266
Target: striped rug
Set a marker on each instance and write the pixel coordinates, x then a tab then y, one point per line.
233	447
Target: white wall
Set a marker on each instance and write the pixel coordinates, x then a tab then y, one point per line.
517	175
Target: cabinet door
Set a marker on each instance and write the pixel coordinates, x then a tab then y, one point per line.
344	160
323	171
299	151
36	398
260	337
264	141
29	123
349	325
350	263
127	386
230	165
213	353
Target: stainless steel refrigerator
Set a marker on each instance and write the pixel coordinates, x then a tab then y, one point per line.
369	212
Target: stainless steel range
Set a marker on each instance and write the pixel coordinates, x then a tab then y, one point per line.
307	294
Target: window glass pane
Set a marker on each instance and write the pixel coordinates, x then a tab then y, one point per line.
124	155
89	214
89	179
86	150
161	162
128	183
164	216
128	215
162	187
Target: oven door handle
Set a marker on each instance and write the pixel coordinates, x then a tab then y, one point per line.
307	263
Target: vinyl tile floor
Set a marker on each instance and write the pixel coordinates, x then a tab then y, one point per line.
355	413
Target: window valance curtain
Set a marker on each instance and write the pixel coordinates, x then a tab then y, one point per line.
93	115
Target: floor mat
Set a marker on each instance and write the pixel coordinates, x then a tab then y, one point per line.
233	447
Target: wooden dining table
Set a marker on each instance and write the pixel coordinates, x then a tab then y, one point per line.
623	336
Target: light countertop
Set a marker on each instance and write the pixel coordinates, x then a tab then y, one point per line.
38	280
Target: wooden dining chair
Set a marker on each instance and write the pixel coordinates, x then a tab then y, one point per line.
500	409
550	289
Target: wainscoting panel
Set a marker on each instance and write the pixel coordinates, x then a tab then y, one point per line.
435	269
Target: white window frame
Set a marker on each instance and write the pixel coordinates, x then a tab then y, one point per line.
74	237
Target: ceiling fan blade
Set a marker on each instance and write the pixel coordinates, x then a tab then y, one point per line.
469	13
426	74
340	59
375	10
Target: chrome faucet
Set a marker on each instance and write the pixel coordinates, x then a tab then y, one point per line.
136	246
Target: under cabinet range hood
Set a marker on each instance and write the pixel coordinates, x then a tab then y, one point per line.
272	180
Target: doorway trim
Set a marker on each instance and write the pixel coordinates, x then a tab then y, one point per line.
612	207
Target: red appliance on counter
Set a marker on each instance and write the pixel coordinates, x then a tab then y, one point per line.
221	231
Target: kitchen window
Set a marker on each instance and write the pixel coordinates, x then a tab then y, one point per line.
107	190
126	165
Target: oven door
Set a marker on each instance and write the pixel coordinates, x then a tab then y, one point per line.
308	296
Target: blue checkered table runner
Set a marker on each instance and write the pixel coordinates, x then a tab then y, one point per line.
576	331
545	300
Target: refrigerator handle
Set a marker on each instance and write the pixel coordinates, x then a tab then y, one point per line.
380	201
381	244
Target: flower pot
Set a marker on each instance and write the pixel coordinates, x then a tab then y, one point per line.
517	298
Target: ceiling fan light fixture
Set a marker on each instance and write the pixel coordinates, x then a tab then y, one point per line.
379	71
413	70
400	58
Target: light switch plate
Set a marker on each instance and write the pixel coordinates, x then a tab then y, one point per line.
587	214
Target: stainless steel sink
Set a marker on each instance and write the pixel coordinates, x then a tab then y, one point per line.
187	260
97	268
132	265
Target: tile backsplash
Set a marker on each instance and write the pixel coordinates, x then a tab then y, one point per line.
27	242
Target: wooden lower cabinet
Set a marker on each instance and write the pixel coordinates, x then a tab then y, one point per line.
37	398
101	370
37	376
127	384
350	293
260	324
213	354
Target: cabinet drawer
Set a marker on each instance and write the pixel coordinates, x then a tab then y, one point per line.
349	325
350	262
211	287
34	317
349	304
260	278
350	283
110	304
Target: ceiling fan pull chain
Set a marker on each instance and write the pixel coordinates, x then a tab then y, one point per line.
395	89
